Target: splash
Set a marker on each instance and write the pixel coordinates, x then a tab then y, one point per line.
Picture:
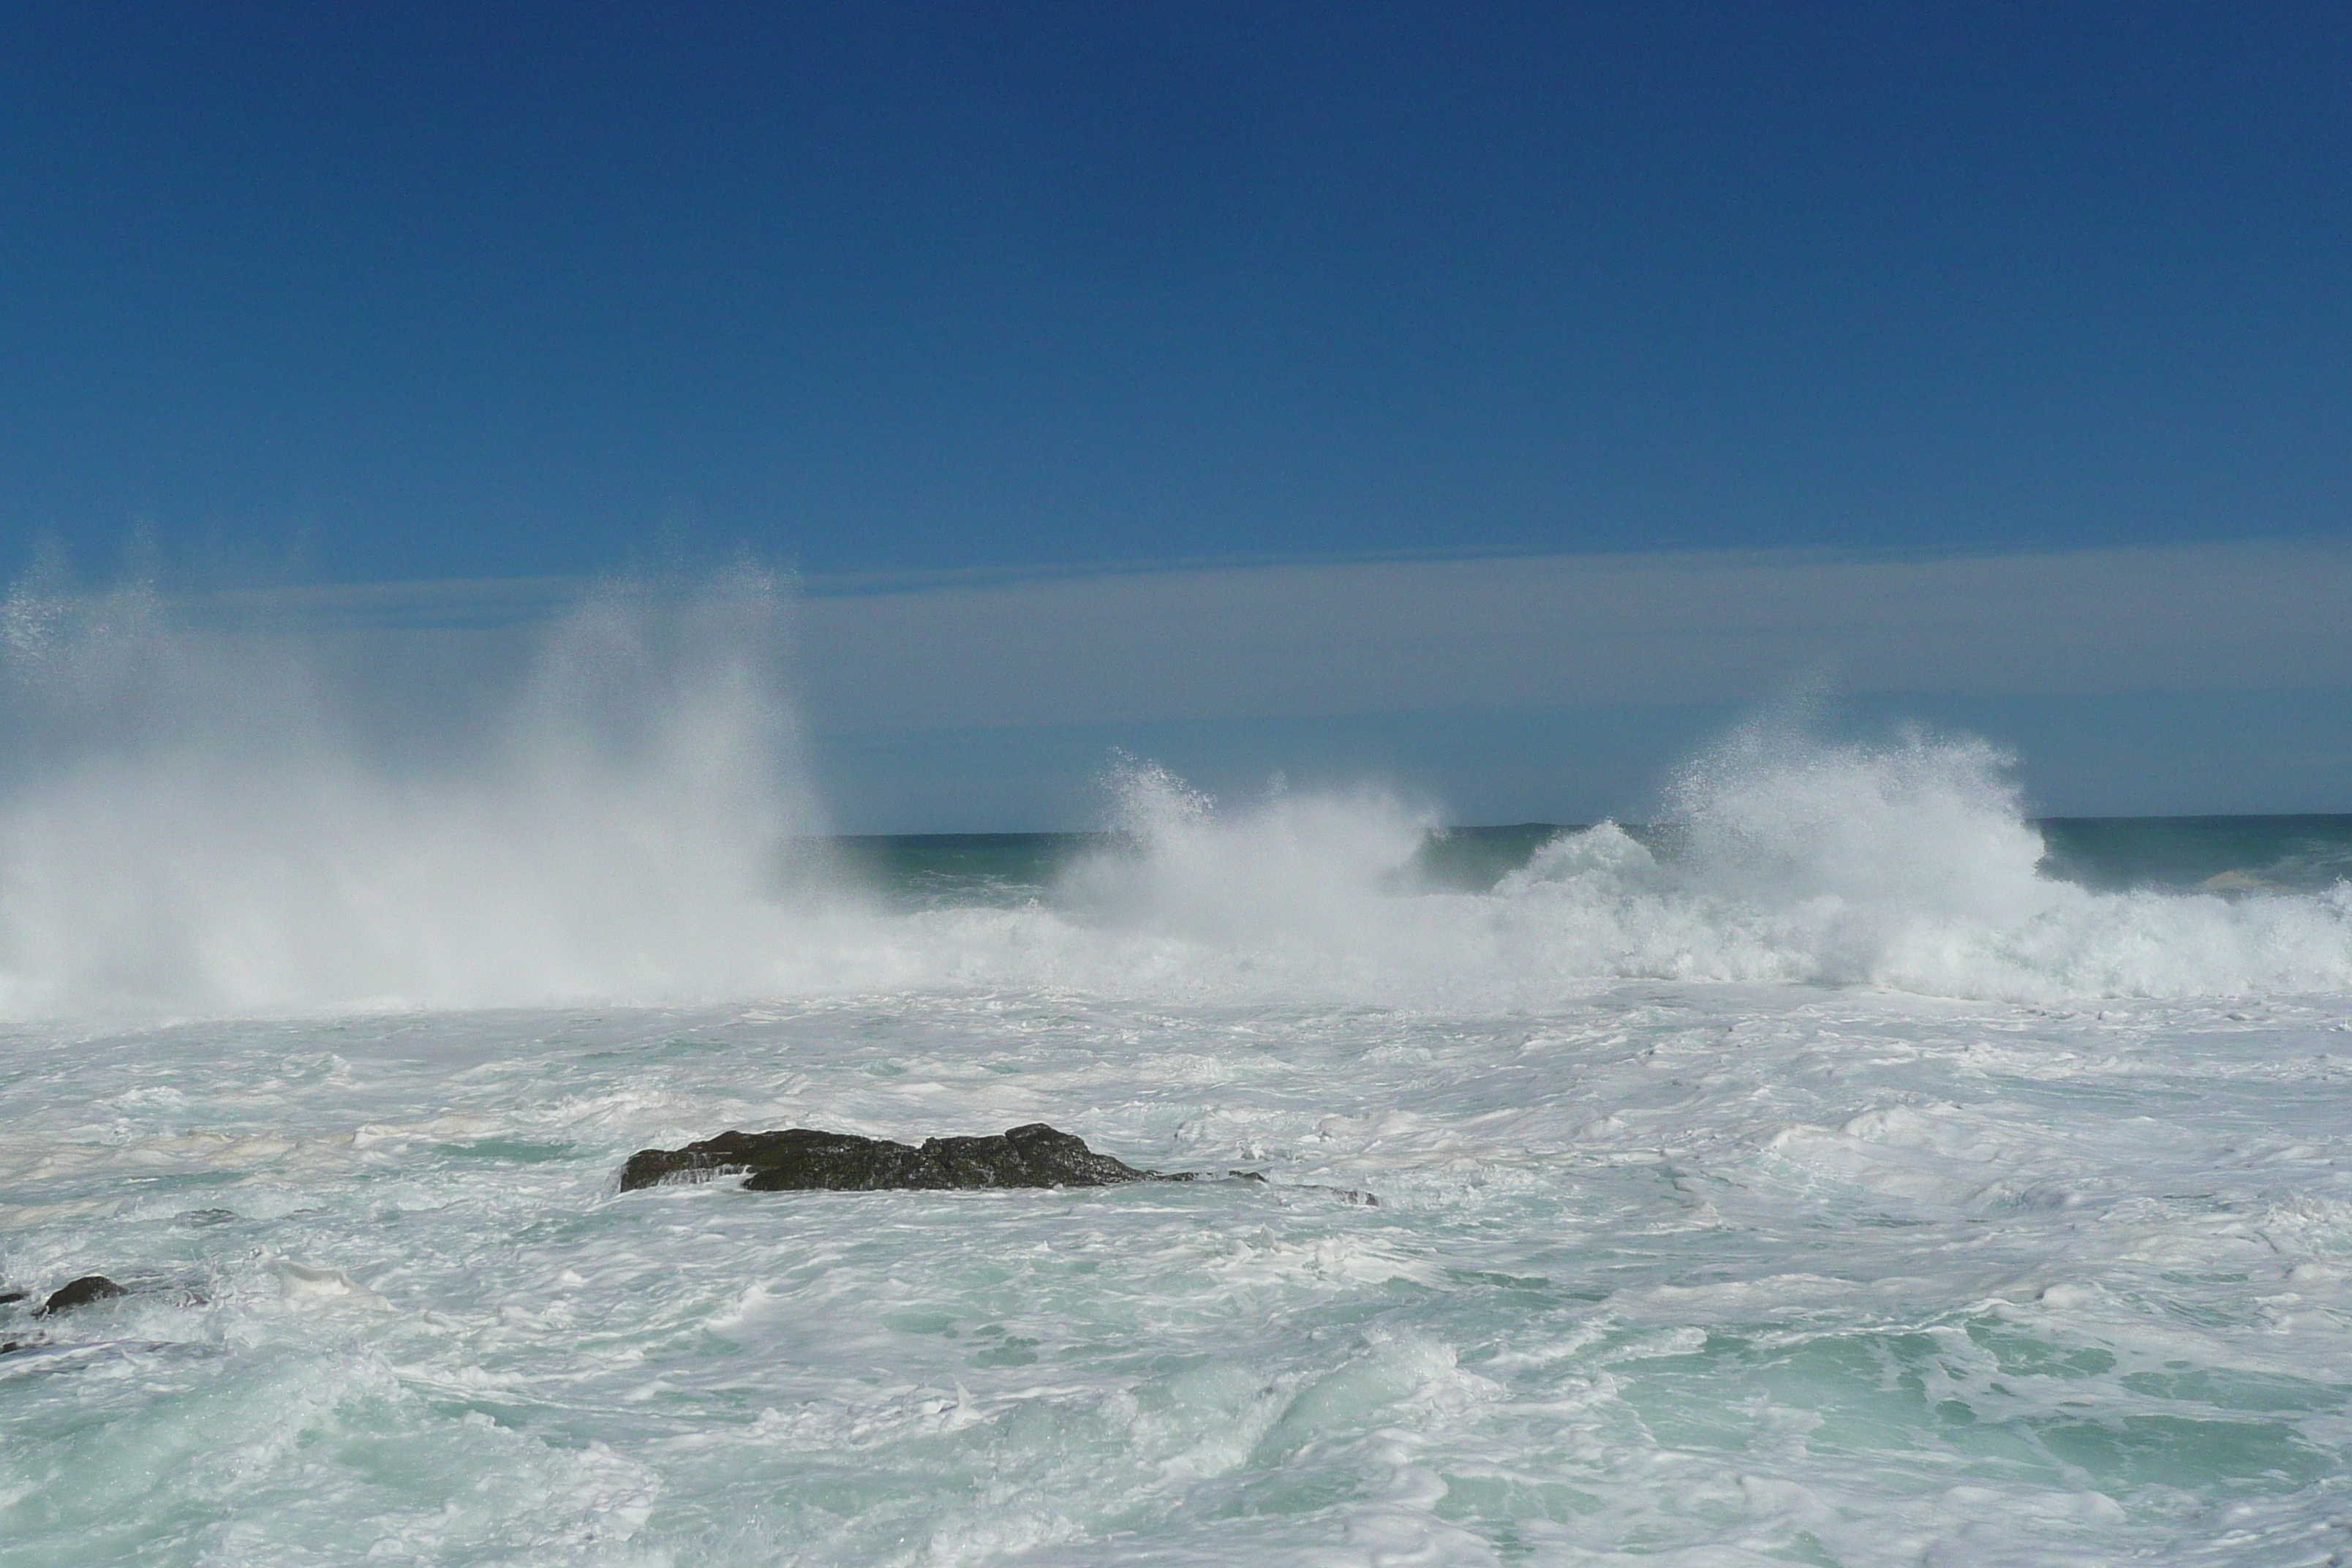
1782	858
220	820
1909	864
606	807
1286	872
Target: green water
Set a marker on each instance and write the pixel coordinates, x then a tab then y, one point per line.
2111	854
2285	853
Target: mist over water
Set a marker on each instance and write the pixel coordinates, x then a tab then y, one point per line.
200	821
230	820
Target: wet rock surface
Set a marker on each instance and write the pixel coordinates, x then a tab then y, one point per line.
81	1292
803	1159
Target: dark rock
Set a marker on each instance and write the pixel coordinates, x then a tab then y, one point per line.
803	1159
8	1296
81	1292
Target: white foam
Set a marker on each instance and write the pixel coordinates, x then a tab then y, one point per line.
1909	865
1690	1270
308	1285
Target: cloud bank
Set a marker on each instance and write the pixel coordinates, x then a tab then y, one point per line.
1320	639
2171	678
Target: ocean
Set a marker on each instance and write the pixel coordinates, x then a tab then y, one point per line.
1848	1167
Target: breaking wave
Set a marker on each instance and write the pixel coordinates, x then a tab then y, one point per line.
615	806
1784	858
1909	865
227	820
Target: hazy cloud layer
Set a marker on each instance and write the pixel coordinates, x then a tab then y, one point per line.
1550	632
2210	677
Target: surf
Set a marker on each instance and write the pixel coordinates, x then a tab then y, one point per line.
615	804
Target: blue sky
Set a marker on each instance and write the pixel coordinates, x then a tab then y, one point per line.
372	293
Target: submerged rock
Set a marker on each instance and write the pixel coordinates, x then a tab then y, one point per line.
803	1159
81	1292
1345	1195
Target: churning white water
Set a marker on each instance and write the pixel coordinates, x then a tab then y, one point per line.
1811	1180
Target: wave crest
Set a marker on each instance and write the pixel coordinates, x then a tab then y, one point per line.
1911	865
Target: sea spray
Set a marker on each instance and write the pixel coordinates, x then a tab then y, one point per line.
1907	864
1284	870
1932	824
1780	857
612	805
225	820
